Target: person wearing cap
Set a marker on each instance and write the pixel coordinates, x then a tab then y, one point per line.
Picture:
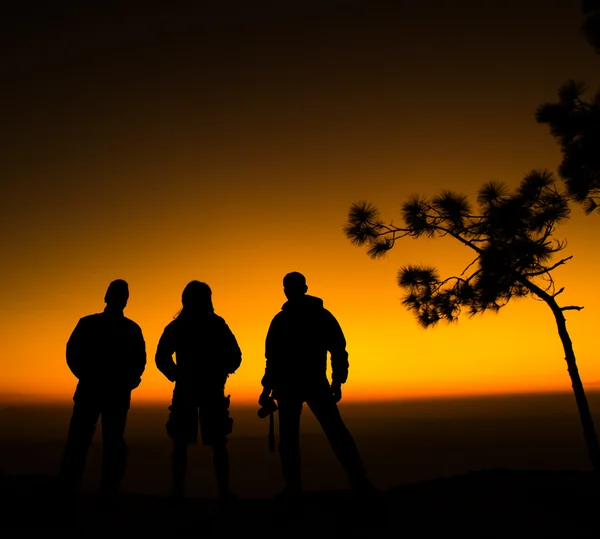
107	354
298	340
206	353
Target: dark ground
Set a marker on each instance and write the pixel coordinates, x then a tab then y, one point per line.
401	443
492	503
446	468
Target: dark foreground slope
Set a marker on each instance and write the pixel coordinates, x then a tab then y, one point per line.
496	503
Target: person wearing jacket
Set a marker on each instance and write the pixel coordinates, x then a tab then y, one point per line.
298	340
107	354
206	353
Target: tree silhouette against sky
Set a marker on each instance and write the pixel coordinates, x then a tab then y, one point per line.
575	122
513	244
591	23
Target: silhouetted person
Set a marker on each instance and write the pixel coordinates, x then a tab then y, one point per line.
297	343
107	353
206	354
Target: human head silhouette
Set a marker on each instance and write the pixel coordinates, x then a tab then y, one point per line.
117	295
294	285
197	298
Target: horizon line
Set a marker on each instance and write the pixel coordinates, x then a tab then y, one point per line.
24	398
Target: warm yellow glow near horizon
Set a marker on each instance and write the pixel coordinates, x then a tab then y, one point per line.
517	350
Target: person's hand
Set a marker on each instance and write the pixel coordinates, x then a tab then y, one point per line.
336	391
265	398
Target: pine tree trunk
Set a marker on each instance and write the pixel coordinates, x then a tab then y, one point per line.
585	416
587	422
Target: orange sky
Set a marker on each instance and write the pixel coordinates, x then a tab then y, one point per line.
228	147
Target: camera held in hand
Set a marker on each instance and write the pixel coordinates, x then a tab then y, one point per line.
268	406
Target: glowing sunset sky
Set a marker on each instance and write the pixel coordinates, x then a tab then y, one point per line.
227	145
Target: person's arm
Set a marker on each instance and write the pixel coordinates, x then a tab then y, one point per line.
336	345
164	355
74	351
272	352
138	358
233	350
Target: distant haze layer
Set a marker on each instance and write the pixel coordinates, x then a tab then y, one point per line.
401	442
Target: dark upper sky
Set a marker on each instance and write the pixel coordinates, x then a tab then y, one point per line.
214	68
270	78
284	82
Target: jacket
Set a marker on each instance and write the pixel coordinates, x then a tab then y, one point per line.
205	348
107	353
296	347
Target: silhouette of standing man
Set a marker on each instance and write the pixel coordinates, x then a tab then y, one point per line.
297	342
107	353
207	353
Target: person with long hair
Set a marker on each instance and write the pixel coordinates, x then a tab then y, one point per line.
206	353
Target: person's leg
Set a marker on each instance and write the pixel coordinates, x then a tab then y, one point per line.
179	468
215	426
182	427
221	464
328	415
81	432
114	448
290	410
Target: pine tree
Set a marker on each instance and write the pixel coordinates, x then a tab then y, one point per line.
512	240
